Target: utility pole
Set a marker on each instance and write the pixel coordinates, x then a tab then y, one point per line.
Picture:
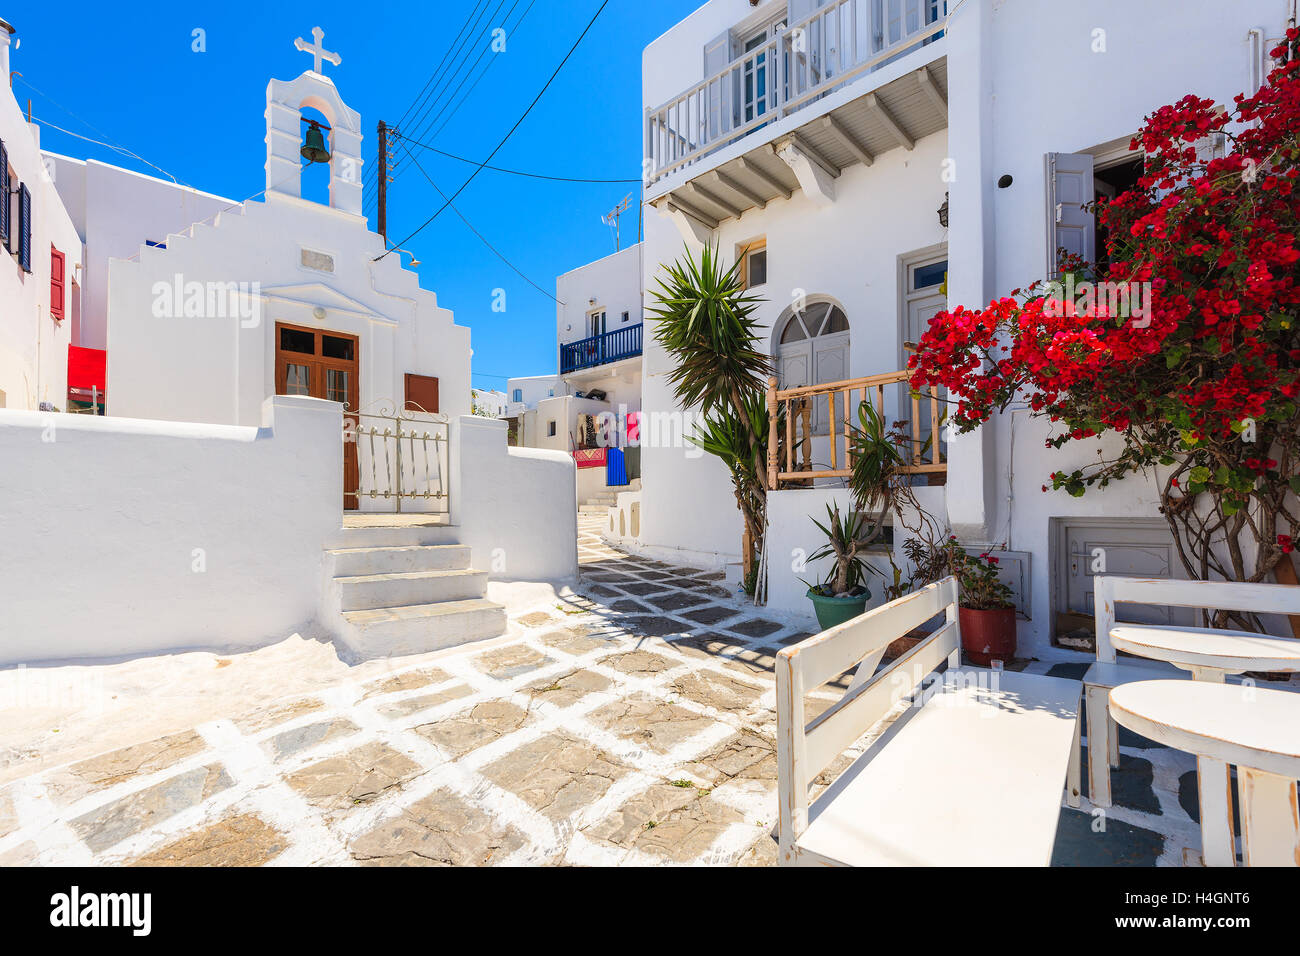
383	182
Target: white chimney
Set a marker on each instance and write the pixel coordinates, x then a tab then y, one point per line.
6	32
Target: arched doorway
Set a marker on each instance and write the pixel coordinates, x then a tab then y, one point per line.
812	348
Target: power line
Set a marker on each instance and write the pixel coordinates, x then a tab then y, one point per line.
478	79
482	238
429	115
518	123
444	63
512	172
118	147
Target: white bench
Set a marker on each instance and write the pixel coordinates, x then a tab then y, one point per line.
970	774
1110	671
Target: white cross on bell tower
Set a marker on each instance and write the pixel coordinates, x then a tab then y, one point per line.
285	102
317	49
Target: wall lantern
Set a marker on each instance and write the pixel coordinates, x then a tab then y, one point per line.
943	212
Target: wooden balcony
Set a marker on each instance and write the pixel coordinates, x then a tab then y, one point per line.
803	408
855	79
601	349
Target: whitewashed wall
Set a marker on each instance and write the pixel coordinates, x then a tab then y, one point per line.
125	536
33	345
115	211
1001	124
514	506
215	369
615	284
534	389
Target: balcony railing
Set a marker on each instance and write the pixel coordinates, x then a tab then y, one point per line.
790	456
600	349
843	40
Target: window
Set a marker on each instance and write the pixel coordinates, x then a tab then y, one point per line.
753	263
812	348
626	316
56	284
421	393
518	395
550	429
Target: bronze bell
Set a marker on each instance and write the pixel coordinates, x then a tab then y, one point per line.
314	149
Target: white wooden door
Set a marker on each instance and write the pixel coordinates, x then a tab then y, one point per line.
1070	225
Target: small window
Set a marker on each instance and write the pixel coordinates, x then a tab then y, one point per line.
923	277
626	316
518	396
753	264
550	429
340	348
297	340
421	393
550	393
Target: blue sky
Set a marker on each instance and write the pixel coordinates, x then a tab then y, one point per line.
128	74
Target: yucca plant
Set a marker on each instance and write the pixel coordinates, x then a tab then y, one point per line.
845	543
705	321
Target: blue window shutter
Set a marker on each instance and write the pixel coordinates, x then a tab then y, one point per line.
4	195
25	228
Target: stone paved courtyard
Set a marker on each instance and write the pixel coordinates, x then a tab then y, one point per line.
628	722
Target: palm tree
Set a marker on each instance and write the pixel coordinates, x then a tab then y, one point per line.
705	321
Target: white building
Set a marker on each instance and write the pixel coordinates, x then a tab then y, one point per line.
592	406
41	268
823	142
270	368
489	402
526	391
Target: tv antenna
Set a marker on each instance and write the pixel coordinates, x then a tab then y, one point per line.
611	218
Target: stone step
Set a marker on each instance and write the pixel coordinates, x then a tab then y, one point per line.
408	588
415	629
386	560
419	535
594	510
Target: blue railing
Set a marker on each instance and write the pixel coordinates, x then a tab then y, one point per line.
600	349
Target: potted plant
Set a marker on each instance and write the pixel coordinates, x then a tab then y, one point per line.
986	612
843	594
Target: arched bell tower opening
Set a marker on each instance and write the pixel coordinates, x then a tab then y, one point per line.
315	93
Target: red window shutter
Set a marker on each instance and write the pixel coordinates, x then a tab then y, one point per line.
56	283
421	393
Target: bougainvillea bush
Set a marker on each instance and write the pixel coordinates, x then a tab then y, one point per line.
1202	381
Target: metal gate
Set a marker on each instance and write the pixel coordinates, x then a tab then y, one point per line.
402	459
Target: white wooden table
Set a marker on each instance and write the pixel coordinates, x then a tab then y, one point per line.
1207	652
1255	729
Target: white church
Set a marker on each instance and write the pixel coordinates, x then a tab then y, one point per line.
288	442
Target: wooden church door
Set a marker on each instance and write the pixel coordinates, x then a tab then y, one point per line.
322	364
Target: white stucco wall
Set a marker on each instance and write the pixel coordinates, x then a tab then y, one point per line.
126	536
534	388
1018	74
33	344
614	282
998	239
219	369
115	211
514	506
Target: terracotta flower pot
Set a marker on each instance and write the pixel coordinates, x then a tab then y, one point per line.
989	635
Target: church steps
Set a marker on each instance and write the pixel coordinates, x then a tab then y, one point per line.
405	588
385	632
